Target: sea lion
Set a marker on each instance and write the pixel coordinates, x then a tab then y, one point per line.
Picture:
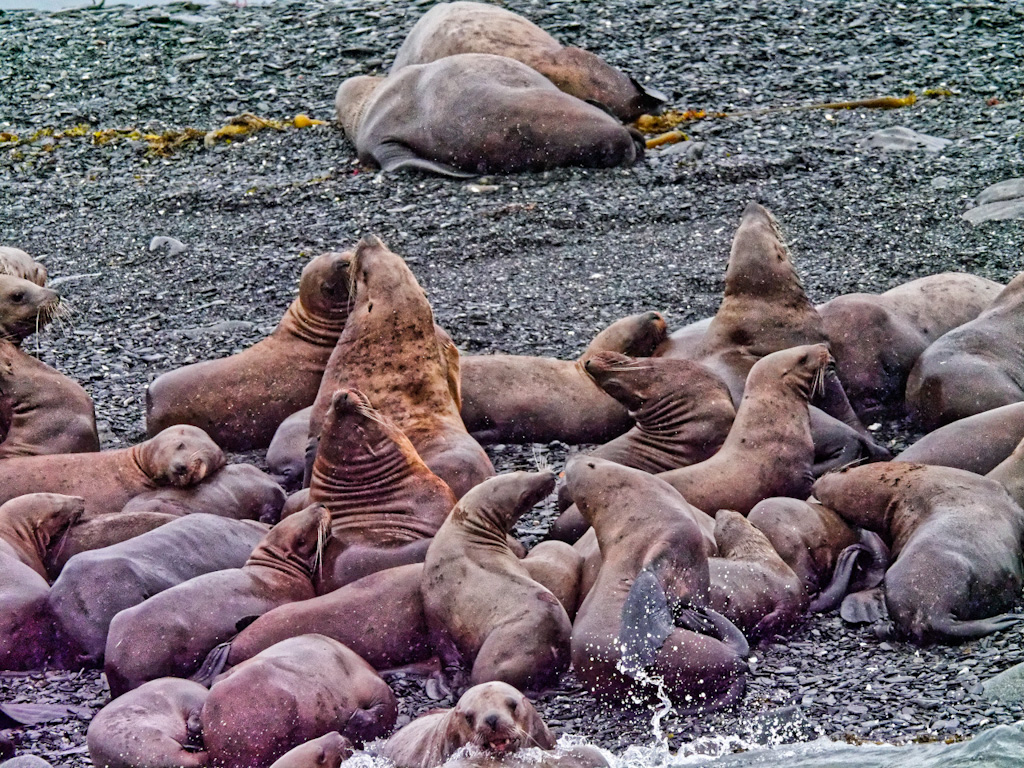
292	692
328	751
876	339
99	532
476	113
977	443
483	609
29	638
955	539
750	584
493	717
154	726
390	350
172	632
646	625
179	456
385	503
683	343
461	27
14	261
26	308
974	368
286	456
240	400
49	412
557	566
95	586
523	399
239	491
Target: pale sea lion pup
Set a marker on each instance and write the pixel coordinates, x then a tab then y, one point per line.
475	113
461	27
328	751
14	261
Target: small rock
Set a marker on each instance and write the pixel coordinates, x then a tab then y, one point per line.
902	139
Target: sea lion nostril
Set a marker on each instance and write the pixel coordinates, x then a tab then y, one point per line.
492	721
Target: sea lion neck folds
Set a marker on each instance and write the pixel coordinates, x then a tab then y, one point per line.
295	545
318	313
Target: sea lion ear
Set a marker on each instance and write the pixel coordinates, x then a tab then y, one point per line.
537	728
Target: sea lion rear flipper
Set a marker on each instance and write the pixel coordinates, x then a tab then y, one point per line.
837	588
865	607
727	632
646	622
871	571
966	630
213	665
393	156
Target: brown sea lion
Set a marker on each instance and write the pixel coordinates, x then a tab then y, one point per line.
974	368
876	339
390	351
557	566
483	609
240	491
750	584
493	717
179	456
683	343
99	532
385	503
523	399
286	456
476	113
14	261
292	692
977	443
172	632
955	539
154	726
328	751
241	400
95	586
646	624
461	27
26	307
29	638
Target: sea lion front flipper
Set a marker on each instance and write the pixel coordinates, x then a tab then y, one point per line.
865	607
652	100
394	156
213	665
646	622
837	588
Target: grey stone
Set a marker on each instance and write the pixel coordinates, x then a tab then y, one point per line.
1007	686
1004	209
1011	189
902	139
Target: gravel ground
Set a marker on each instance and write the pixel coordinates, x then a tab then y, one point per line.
523	264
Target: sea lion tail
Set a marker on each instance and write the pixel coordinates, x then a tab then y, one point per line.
215	662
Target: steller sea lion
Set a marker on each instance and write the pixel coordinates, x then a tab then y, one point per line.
172	632
476	113
14	261
328	751
240	400
484	610
976	443
461	27
101	531
26	307
557	566
286	455
294	691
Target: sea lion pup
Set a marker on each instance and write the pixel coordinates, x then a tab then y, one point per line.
977	443
99	532
390	351
328	751
768	452
483	609
974	368
750	584
525	399
475	113
876	339
95	586
154	726
172	632
14	261
385	503
646	622
955	539
294	691
29	638
26	308
286	456
239	491
240	400
179	456
49	412
492	716
461	27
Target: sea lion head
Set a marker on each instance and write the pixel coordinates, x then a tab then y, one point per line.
737	538
14	261
497	718
759	261
587	76
328	751
376	271
355	432
181	455
500	501
42	517
802	369
297	542
26	307
323	287
350	102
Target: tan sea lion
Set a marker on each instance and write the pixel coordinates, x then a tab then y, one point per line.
977	443
524	399
390	351
26	308
296	690
646	625
172	632
99	532
557	566
50	413
179	456
476	113
240	400
154	726
973	368
462	27
30	524
483	609
14	261
328	751
493	717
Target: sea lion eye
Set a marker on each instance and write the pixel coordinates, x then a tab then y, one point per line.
18	296
469	719
511	705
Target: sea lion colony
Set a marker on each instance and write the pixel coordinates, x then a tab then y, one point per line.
238	628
